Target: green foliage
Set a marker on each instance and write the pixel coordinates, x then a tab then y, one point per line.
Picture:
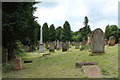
18	51
45	32
66	35
83	32
18	24
85	47
112	30
52	35
59	33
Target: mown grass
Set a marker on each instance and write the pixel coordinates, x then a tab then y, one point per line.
62	64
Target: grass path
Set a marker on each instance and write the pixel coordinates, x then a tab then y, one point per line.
62	64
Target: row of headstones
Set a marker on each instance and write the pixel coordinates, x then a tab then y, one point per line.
57	45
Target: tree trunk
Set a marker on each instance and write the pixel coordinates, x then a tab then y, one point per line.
10	51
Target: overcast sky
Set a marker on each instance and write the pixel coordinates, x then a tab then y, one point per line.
100	13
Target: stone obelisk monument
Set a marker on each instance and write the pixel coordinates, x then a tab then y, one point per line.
41	47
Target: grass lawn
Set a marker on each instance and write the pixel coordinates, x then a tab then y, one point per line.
62	64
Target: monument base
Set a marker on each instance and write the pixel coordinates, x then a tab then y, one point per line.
41	48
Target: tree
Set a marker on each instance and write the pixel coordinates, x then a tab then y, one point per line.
18	25
52	35
83	32
112	30
59	33
66	35
45	32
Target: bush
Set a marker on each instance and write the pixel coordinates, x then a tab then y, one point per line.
18	51
85	47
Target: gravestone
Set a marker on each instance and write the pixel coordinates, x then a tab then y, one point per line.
73	43
97	41
46	45
17	64
77	45
92	71
59	45
106	42
52	47
64	48
67	45
83	43
89	42
111	41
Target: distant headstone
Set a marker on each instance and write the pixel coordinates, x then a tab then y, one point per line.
59	45
106	42
17	64
73	43
97	41
77	45
92	71
46	45
64	48
111	41
83	43
67	45
52	47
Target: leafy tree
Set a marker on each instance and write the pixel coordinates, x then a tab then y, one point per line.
112	30
66	35
83	32
45	32
52	33
59	33
18	25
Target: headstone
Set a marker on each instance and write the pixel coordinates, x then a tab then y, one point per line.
73	43
106	42
46	45
92	71
17	64
64	48
77	45
52	47
111	41
67	45
97	41
59	45
83	43
80	64
89	42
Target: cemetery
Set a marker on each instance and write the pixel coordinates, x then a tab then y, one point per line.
34	50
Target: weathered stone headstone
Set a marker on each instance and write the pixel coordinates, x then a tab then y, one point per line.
77	45
92	71
73	43
67	45
111	41
46	45
83	43
97	41
17	64
64	48
89	42
59	45
52	47
106	42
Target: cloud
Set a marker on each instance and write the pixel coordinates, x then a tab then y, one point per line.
100	13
